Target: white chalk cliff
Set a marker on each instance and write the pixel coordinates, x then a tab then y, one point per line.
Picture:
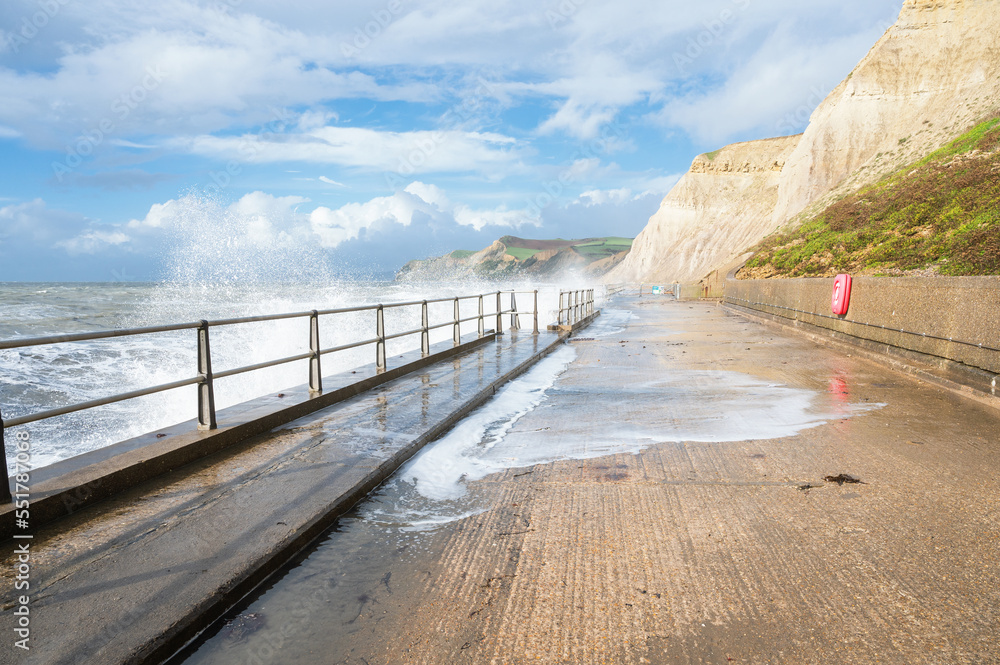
927	80
721	206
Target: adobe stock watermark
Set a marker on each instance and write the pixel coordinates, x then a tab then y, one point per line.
248	148
704	40
563	12
424	148
554	189
22	539
121	108
31	26
372	30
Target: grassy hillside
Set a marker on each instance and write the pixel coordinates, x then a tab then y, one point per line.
522	253
603	247
940	215
592	248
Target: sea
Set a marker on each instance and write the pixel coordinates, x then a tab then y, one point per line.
39	378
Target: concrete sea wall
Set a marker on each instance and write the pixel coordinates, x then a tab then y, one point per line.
953	322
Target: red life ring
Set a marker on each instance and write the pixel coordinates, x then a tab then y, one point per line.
841	295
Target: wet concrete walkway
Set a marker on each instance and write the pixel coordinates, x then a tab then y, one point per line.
679	514
127	580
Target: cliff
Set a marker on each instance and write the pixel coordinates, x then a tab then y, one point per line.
721	206
931	77
513	257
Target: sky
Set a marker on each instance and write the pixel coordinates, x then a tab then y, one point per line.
359	135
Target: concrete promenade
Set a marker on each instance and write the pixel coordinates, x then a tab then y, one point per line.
131	579
687	519
684	516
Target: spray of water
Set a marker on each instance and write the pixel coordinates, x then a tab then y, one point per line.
221	261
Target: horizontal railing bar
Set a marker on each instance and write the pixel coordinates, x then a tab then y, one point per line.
412	303
103	334
442	325
264	365
471	318
255	319
346	347
403	334
52	413
347	310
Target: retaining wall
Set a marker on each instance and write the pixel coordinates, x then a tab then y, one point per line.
951	321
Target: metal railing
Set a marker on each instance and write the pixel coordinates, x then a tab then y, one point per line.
205	376
615	289
575	306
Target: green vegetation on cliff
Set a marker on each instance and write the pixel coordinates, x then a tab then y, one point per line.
940	215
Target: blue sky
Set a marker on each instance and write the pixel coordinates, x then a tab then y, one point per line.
364	134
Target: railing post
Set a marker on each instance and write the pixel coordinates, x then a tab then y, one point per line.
456	333
499	315
559	317
5	496
425	332
380	344
515	320
315	373
482	324
206	389
535	331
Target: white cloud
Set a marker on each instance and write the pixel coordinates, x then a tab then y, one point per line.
227	67
93	241
432	194
405	153
348	222
34	223
772	92
650	187
602	197
501	217
259	222
330	181
378	215
181	68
